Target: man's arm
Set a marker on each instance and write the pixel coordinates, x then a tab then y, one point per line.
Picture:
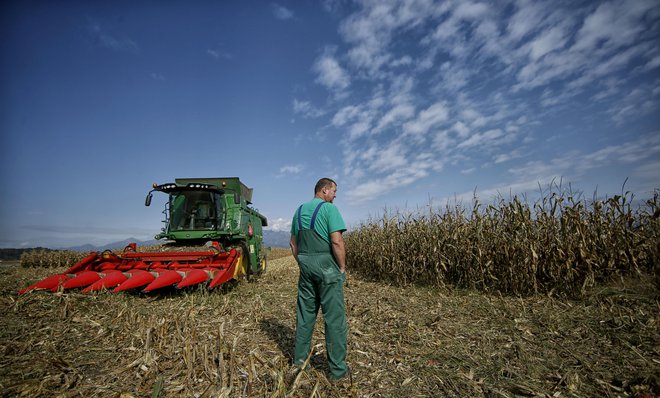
294	247
338	249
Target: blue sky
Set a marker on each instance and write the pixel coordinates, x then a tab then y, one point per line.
404	103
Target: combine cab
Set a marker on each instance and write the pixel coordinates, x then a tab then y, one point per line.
214	212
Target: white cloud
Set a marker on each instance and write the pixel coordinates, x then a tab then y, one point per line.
473	117
629	152
503	190
432	116
379	169
345	115
403	61
396	115
506	157
358	120
218	54
576	163
461	129
443	142
330	74
281	12
613	23
446	29
489	138
332	6
649	173
609	66
528	16
399	179
634	103
291	169
111	41
387	158
306	109
279	224
469	10
652	63
468	83
606	41
550	40
534	175
371	31
454	76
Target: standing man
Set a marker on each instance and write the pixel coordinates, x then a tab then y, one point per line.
318	247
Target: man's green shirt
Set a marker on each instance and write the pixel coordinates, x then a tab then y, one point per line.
328	219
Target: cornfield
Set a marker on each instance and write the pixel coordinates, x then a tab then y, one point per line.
561	244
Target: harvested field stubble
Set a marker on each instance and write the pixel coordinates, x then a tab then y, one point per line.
278	252
403	341
561	244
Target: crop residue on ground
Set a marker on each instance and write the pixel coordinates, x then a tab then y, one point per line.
403	341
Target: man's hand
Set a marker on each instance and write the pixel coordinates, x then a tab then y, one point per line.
338	249
294	247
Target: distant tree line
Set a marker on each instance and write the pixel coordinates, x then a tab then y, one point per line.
15	254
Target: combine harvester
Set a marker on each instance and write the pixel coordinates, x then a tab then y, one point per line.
199	210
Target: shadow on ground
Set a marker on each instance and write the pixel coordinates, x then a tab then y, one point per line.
285	337
281	334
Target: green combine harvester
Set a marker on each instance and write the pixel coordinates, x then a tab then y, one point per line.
214	212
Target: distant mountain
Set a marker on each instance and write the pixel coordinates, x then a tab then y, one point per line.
114	245
271	238
276	238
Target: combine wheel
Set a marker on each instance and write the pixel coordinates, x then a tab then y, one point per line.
250	274
263	262
255	275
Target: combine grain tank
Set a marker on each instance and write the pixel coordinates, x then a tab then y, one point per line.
214	212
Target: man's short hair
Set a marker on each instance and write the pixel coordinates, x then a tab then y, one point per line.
323	183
